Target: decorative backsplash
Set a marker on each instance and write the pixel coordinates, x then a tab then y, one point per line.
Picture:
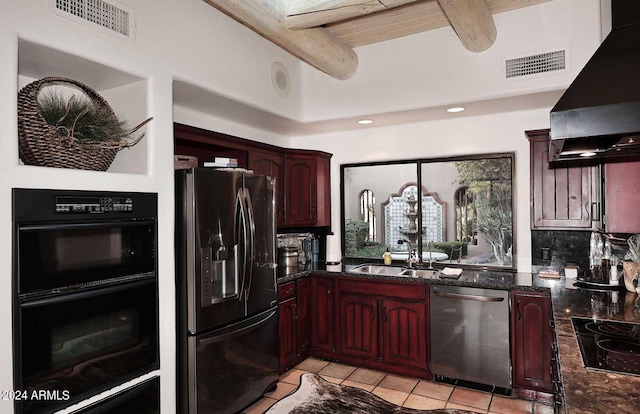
567	247
563	247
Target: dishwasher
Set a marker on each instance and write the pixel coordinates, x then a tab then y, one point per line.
470	335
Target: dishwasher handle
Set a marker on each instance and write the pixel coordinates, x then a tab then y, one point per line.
464	296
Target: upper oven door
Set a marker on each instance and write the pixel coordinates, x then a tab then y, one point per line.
69	255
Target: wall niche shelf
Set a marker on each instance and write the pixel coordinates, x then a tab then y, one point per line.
126	93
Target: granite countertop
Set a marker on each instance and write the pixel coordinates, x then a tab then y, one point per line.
588	390
469	278
585	390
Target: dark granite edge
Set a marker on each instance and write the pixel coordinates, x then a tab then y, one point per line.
469	278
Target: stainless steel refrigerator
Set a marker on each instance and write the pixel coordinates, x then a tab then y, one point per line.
227	324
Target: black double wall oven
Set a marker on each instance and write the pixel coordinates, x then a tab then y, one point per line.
85	304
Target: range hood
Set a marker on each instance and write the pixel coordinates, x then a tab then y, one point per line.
599	114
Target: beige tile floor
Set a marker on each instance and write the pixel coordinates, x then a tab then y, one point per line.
404	391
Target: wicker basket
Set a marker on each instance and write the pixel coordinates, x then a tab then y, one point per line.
40	144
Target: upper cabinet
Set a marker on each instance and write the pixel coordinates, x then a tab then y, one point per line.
303	196
622	196
563	195
271	164
307	189
582	195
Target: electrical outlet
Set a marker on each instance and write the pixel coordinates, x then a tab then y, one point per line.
545	254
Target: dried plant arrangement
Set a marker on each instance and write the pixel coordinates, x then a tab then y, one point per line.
69	131
77	117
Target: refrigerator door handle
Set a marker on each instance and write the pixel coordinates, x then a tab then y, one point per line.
242	228
239	332
252	239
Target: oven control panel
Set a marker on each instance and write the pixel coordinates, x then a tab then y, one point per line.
79	205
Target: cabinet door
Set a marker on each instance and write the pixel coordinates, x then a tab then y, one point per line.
301	209
405	333
271	164
288	333
562	196
622	197
358	325
532	338
304	317
322	314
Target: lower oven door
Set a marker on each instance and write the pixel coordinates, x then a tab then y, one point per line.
72	346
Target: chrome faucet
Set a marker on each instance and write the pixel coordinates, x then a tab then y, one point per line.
430	247
412	260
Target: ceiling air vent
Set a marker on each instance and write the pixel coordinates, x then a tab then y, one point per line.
540	63
107	16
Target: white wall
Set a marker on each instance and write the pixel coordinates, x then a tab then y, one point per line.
502	132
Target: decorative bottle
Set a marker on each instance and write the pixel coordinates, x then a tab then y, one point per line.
387	257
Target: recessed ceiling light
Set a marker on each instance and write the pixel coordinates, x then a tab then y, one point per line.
587	154
365	121
455	109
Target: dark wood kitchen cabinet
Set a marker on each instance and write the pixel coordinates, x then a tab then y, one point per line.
288	325
322	315
294	323
622	196
271	164
358	325
405	337
307	189
383	325
303	178
532	341
563	196
304	316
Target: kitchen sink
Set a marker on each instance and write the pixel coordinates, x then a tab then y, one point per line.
377	270
424	273
393	271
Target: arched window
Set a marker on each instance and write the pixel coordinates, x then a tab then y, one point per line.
465	215
368	212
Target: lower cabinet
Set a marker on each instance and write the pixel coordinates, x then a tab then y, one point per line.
294	324
304	316
383	325
288	333
532	341
375	324
322	314
405	333
358	325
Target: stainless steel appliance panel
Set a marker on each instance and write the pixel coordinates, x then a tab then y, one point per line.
227	342
470	334
233	366
261	272
213	212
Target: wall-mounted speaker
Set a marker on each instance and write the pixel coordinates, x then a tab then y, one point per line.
280	79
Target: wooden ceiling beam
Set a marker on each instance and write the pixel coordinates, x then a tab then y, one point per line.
304	14
472	22
316	46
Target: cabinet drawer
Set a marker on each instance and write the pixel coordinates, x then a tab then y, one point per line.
415	291
286	291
